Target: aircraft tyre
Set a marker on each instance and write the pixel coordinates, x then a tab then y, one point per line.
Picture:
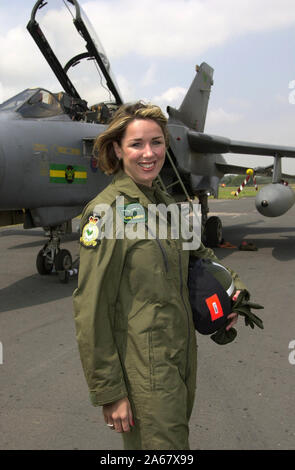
63	260
43	264
213	231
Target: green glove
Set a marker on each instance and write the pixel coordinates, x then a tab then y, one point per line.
242	306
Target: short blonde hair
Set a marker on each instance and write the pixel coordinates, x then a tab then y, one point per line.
103	149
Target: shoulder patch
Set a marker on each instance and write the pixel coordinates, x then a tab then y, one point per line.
91	232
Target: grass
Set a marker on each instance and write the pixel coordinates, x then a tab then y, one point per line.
248	191
226	192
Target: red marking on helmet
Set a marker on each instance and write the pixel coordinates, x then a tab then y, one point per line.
214	306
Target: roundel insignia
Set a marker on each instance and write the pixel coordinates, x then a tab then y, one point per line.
90	233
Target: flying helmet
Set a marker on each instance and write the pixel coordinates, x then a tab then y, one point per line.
210	287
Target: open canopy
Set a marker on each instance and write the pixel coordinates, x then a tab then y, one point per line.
90	50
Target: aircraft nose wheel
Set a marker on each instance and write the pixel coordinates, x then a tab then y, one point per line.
44	263
51	257
63	260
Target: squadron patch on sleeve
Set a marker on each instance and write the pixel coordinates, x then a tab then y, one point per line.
90	233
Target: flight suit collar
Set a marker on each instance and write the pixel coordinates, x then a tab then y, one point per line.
127	187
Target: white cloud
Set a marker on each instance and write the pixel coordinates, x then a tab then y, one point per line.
274	129
220	116
168	28
173	95
240	103
149	77
126	88
150	28
24	66
281	99
20	59
61	34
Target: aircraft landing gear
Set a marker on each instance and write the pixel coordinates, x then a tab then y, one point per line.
211	226
67	274
213	231
63	260
51	257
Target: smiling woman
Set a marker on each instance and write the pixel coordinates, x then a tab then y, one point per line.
133	317
142	151
144	142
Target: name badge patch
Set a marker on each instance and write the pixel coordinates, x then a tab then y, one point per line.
132	213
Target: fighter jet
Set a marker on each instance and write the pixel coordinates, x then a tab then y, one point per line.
47	169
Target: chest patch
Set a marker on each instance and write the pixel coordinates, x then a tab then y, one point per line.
132	213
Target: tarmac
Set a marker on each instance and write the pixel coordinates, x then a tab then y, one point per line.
245	396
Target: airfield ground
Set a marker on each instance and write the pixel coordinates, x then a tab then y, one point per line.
245	390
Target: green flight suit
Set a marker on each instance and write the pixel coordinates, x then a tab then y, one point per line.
134	323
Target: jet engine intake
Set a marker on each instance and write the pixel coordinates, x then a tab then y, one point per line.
274	199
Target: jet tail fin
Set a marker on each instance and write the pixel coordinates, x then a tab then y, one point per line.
193	110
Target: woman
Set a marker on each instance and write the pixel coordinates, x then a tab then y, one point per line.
133	318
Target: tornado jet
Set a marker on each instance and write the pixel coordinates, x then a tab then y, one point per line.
47	169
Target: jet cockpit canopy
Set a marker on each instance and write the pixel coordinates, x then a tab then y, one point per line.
75	46
33	103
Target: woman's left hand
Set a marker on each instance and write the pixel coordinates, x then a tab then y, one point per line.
118	415
233	316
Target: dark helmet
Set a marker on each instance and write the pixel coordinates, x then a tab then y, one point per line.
210	290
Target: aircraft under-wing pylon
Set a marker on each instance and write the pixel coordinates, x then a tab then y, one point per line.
48	172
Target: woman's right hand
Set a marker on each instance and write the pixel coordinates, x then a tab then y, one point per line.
118	414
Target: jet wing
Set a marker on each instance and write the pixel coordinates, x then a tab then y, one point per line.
206	143
227	168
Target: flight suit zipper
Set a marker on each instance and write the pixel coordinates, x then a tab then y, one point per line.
166	264
165	258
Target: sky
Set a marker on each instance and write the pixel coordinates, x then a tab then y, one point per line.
153	47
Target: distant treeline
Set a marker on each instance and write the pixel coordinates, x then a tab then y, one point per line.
236	180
